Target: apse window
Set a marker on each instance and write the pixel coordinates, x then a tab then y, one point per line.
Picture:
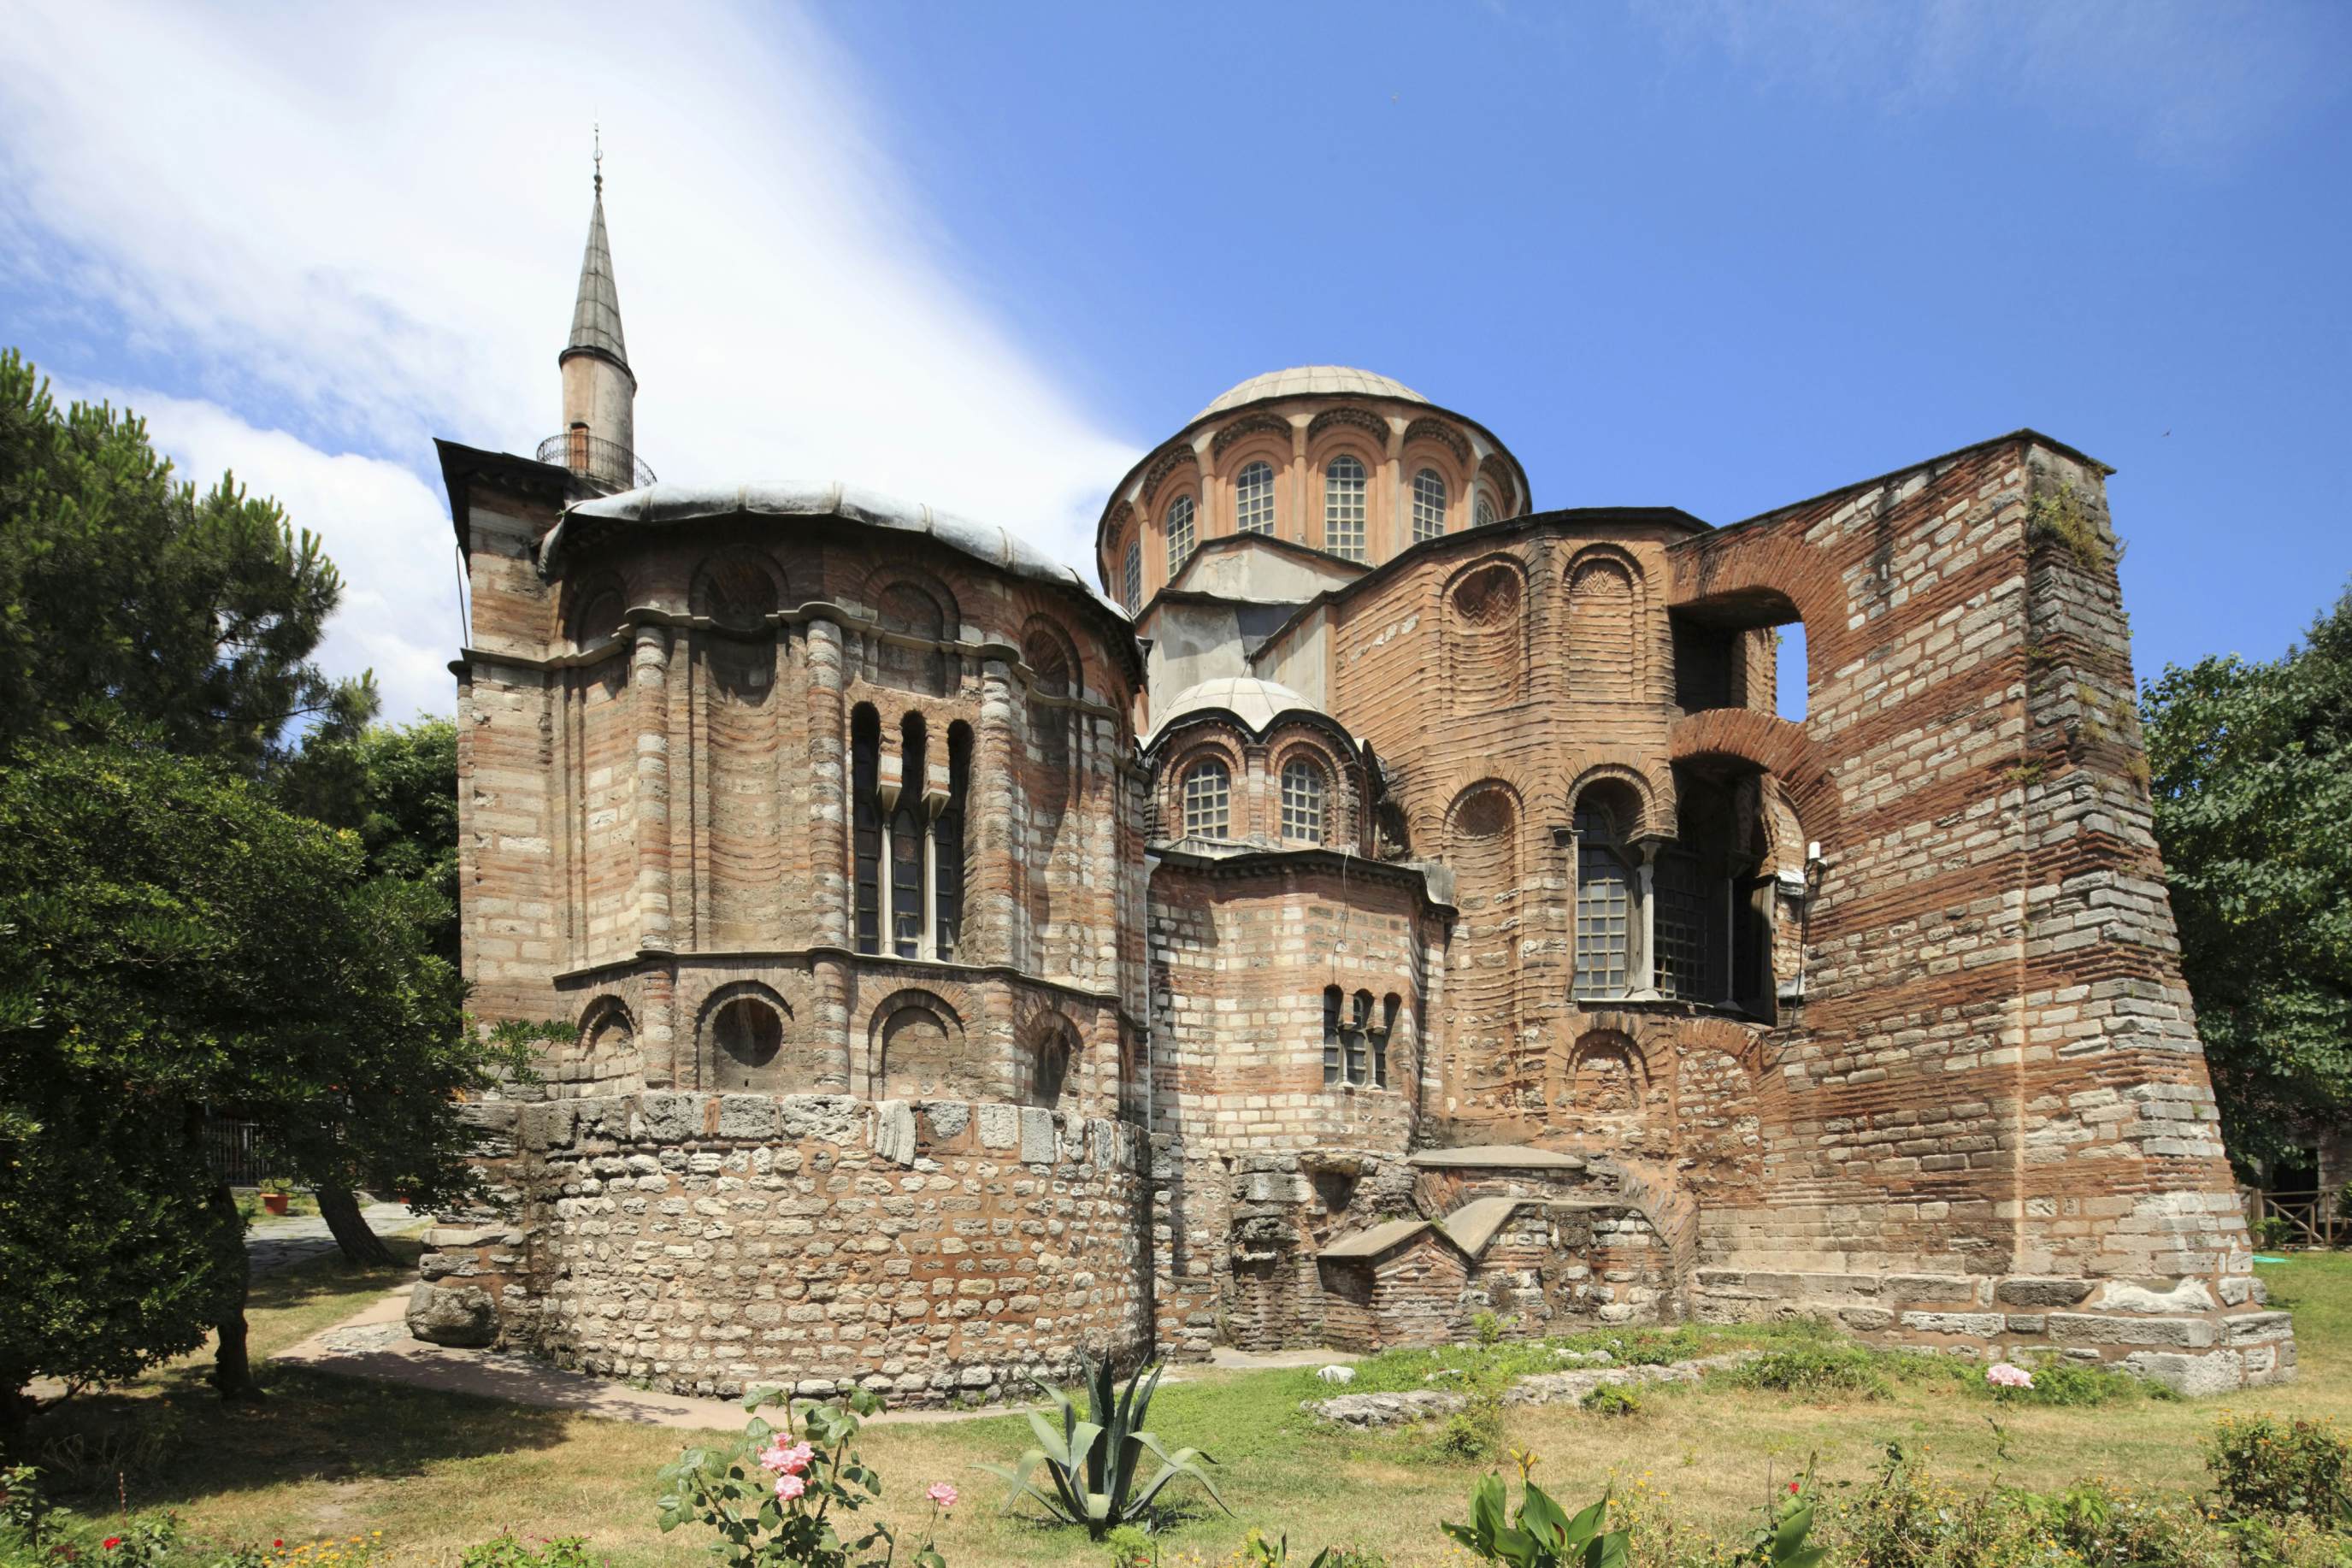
1132	579
1483	516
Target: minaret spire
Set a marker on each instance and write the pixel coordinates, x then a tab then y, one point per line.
599	388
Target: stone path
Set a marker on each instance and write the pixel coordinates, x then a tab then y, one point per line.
272	1243
1538	1388
375	1344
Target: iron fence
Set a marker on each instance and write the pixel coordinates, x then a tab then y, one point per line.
594	459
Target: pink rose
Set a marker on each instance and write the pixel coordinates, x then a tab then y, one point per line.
2001	1374
943	1494
790	1461
789	1486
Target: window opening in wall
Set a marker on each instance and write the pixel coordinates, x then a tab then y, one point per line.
749	1031
1253	498
1710	671
1688	923
1208	798
949	848
1483	515
1052	1071
1428	504
1180	534
1789	672
1302	801
866	825
1343	507
1381	1037
1333	998
1604	908
1357	1036
908	833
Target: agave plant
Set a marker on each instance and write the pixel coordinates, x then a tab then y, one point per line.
1091	1462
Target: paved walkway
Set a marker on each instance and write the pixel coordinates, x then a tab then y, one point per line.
271	1242
375	1344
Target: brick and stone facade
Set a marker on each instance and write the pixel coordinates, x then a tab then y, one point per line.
1386	904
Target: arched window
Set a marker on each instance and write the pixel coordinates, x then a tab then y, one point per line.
1208	797
1302	801
749	1031
1180	533
1253	498
906	844
865	824
1483	514
1428	505
1358	1037
1605	904
946	834
1343	506
1131	577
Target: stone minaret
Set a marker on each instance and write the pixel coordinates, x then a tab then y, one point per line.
599	389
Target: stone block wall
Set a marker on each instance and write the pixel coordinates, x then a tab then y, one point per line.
706	1243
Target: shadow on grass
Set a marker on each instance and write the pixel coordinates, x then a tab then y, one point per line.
168	1439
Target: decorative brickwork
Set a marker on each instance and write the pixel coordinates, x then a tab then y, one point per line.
961	982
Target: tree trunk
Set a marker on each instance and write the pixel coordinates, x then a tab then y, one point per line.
231	1367
340	1209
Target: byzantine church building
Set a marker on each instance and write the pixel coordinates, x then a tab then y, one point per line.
1365	902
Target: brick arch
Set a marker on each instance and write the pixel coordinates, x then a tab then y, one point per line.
1340	812
1607	1074
737	589
926	1035
1044	1031
1212	738
1656	795
1772	744
593	607
1607	629
1739	565
1164	466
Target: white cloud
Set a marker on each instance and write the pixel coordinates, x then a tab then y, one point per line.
363	225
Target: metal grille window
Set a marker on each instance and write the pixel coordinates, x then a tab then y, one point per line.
1343	507
1604	910
1485	514
1132	587
1684	957
1357	1037
1180	534
1389	1008
1302	801
1253	498
1208	796
908	831
1428	504
866	825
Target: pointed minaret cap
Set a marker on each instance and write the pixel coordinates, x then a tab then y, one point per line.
597	314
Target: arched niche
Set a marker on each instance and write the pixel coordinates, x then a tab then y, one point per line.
916	1042
746	1040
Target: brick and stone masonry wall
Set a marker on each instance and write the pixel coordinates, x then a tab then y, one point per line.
705	1243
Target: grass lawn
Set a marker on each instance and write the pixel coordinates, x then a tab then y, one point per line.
326	1456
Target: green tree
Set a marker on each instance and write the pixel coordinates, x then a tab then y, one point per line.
397	788
179	942
2250	770
194	613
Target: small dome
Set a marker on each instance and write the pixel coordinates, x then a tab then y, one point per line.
1255	702
1311	378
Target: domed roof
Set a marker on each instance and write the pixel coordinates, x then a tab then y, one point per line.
1311	378
1256	703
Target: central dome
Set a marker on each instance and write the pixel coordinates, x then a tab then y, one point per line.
1311	378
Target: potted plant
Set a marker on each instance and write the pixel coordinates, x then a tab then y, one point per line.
274	1195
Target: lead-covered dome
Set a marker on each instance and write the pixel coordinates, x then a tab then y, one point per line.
1309	380
1256	703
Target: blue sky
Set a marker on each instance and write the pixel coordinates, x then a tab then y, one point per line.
1718	255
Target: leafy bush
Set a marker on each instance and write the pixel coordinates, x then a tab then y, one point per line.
2273	1234
1611	1399
1488	1328
1131	1548
1473	1434
772	1499
1092	1461
508	1551
1819	1371
2070	1383
2262	1465
1538	1533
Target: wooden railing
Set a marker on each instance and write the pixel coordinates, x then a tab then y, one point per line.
2312	1218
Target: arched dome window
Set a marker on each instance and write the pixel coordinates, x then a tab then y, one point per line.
1253	498
1180	533
1343	506
1302	801
1484	515
1428	505
1131	577
1208	799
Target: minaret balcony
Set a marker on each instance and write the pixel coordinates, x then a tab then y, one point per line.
607	465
